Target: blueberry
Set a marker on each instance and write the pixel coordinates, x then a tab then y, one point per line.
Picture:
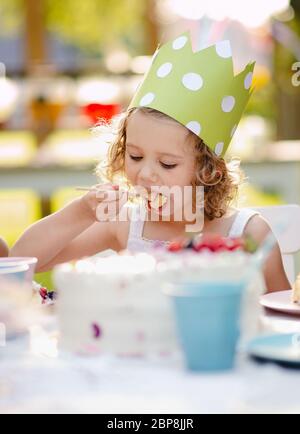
190	245
52	295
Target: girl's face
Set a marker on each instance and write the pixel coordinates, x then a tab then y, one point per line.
158	156
157	153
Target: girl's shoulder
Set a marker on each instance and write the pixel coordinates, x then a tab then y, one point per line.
246	222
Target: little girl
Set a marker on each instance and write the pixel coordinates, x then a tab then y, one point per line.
155	146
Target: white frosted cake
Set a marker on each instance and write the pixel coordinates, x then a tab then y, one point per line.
115	304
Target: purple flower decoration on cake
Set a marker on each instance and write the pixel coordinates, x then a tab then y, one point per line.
97	332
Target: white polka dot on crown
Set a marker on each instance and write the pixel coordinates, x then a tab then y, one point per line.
195	127
223	49
248	80
192	81
180	42
147	99
228	104
219	149
164	70
233	131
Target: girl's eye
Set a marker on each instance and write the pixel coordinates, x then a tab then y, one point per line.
135	158
168	166
165	166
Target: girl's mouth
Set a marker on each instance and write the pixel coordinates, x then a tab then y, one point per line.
156	202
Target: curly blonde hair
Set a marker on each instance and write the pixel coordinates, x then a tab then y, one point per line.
220	180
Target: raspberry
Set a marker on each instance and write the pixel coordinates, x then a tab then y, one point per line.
212	242
175	247
43	293
235	244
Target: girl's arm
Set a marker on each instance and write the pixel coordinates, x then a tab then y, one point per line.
3	249
68	234
274	273
97	238
46	238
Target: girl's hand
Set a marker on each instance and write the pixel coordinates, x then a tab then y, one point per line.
104	202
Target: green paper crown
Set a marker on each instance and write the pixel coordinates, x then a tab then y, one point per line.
199	90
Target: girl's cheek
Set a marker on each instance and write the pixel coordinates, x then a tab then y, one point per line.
130	172
127	167
174	177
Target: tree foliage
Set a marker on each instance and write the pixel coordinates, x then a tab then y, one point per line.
11	16
95	23
88	24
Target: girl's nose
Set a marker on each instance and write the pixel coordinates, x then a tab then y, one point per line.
147	174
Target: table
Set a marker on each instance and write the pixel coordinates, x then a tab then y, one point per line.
46	180
39	380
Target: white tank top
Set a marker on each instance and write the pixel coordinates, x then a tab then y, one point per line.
137	243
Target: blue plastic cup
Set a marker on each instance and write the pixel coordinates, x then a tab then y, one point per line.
14	272
208	322
15	294
15	262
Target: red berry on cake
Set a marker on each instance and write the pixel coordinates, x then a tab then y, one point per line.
43	293
175	247
211	242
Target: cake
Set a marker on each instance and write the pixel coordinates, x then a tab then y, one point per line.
115	305
119	304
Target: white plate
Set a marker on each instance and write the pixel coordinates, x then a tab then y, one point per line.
281	302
